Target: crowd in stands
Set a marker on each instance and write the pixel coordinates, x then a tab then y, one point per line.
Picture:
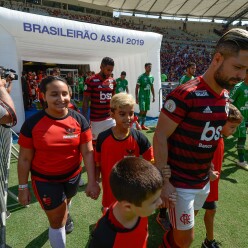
174	55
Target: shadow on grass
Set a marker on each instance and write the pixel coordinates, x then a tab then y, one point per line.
39	241
225	174
231	157
230	142
82	188
230	167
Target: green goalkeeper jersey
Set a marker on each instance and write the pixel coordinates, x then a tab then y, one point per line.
145	82
239	98
121	85
184	79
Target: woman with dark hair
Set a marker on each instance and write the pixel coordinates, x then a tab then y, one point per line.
52	144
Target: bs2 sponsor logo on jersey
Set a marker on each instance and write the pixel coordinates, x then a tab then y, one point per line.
210	133
201	93
105	96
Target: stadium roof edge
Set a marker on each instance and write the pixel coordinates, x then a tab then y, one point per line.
204	9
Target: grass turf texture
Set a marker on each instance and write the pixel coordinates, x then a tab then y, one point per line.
28	227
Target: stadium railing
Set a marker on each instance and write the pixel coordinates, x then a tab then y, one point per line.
164	91
5	153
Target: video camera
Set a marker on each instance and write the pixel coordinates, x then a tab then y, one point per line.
4	73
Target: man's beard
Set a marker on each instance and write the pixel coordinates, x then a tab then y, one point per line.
223	81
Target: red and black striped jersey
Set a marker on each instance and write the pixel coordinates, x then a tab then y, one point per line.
100	91
110	150
56	143
200	113
109	233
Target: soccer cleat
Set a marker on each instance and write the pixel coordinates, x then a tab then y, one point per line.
144	127
69	226
164	222
243	165
210	244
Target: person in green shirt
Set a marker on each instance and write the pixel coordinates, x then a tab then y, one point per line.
190	73
81	83
143	90
239	98
163	78
122	83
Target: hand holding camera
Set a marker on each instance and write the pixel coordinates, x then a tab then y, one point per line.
7	109
8	74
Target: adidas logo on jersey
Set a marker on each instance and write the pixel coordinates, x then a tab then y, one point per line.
99	87
207	110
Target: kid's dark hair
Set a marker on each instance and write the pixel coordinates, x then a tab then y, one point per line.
232	42
134	179
48	80
107	61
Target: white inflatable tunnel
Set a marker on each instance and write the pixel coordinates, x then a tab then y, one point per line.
45	39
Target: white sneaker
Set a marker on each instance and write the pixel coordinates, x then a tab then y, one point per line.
81	182
243	165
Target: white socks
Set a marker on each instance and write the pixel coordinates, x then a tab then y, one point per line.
57	237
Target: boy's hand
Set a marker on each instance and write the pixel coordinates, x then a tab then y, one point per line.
168	195
173	199
166	172
213	175
93	190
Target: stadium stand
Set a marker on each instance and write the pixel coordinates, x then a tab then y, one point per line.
178	46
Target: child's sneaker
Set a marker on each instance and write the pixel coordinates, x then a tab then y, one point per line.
81	182
243	165
69	226
210	244
144	127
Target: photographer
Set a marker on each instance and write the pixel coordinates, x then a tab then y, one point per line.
7	109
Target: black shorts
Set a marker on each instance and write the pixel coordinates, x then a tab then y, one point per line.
209	205
52	194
